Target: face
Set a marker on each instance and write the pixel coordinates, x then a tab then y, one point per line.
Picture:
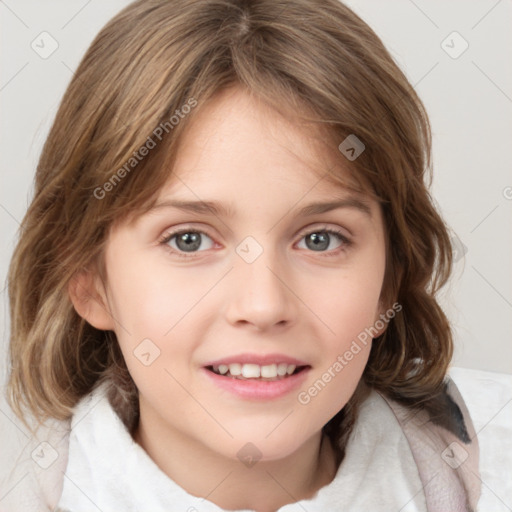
262	282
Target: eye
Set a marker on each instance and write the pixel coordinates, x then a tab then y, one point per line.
322	240
187	241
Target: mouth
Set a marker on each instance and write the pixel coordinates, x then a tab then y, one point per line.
255	372
257	377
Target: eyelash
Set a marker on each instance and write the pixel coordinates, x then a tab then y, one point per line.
169	236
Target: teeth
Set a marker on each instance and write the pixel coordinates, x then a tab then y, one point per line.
235	369
269	371
251	371
281	369
255	371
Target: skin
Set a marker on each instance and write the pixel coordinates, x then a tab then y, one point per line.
294	300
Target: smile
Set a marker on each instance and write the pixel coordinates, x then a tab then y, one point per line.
269	372
257	377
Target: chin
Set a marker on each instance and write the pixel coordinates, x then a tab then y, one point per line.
255	444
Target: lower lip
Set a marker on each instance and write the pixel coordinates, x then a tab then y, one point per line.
259	389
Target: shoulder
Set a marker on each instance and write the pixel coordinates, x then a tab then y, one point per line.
48	454
36	480
444	445
35	483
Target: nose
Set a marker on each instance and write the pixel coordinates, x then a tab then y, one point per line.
261	295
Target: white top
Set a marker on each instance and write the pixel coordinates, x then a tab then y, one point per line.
108	471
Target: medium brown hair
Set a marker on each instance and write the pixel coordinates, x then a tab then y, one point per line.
313	61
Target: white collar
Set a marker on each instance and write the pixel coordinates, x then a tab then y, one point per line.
108	470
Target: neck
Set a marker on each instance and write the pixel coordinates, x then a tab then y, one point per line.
264	487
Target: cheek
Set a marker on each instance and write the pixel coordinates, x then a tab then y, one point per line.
347	305
159	312
148	298
332	383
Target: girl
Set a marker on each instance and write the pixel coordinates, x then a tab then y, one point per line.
225	283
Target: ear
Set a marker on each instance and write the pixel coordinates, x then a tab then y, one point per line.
88	296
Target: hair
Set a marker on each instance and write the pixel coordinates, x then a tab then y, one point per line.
312	61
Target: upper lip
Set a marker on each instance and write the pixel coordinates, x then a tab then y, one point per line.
259	359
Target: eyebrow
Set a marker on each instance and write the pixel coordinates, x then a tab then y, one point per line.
220	210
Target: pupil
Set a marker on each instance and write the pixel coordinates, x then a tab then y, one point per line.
318	241
189	241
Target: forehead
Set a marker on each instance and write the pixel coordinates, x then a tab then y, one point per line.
237	141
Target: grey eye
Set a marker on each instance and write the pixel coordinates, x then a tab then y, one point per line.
189	241
321	240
